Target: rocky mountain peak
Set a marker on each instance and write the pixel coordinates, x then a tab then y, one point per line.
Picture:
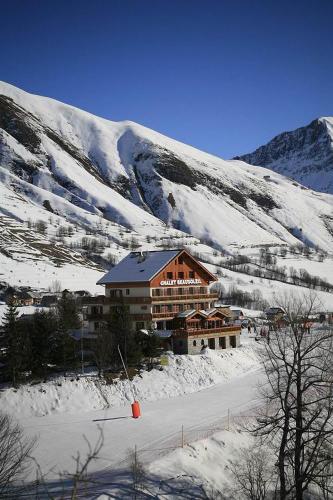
305	154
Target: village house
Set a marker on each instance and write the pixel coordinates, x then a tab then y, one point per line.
167	291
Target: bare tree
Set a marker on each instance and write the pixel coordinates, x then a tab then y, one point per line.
73	483
102	348
298	363
252	474
137	471
55	286
15	451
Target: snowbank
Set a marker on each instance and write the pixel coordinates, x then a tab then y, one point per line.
183	375
204	462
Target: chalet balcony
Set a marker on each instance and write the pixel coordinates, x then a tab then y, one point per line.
185	297
190	332
164	315
117	300
101	299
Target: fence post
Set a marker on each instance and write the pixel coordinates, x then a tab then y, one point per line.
183	436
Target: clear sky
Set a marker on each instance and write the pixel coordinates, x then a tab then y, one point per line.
223	76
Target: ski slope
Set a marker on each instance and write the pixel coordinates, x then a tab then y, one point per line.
159	426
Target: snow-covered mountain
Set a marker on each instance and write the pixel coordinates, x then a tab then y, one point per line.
305	154
135	187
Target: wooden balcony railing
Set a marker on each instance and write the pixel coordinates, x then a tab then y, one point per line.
165	315
185	297
102	300
206	331
117	300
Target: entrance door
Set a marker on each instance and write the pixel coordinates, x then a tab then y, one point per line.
222	342
232	340
211	343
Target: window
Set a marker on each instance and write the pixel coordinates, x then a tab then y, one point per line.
127	291
181	275
202	342
157	309
194	343
180	291
169	307
191	274
169	276
159	325
139	325
169	291
191	291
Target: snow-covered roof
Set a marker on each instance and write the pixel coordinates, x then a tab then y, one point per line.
220	304
204	312
139	266
185	314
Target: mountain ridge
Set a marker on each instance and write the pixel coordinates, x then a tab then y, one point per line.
304	154
134	187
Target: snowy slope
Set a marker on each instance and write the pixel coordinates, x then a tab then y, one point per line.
118	186
135	177
183	375
195	391
305	154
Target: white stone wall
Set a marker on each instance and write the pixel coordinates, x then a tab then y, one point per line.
137	308
191	349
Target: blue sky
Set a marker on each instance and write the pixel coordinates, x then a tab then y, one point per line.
223	76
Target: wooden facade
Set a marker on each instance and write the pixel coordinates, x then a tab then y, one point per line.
175	299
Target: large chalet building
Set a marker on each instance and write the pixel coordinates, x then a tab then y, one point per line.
167	291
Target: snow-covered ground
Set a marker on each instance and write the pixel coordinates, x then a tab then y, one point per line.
203	463
87	166
194	391
184	375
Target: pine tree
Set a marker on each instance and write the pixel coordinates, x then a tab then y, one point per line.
42	330
12	344
68	318
151	345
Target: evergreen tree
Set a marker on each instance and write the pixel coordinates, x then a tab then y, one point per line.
151	345
12	344
68	318
42	341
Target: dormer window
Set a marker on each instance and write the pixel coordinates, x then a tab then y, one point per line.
169	276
